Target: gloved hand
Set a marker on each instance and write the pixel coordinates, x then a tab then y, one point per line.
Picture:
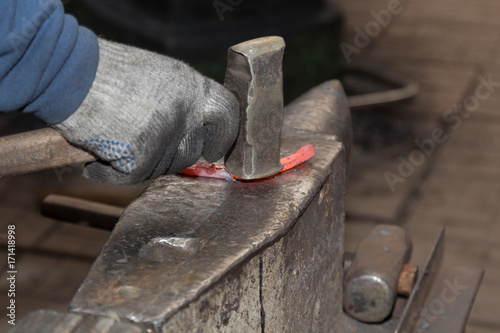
147	115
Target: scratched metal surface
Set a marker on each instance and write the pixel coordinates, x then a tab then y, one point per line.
142	275
44	321
183	234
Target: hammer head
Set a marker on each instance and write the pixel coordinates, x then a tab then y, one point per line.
254	75
370	284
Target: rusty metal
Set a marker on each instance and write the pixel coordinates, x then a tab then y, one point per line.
254	75
407	279
370	286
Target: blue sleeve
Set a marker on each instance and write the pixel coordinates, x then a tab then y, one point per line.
47	61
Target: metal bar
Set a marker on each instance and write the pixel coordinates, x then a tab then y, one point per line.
419	294
395	87
78	210
449	301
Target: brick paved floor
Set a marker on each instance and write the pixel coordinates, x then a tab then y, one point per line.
447	46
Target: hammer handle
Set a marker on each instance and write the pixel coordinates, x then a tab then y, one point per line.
38	150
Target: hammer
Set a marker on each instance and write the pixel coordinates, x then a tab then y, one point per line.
254	75
374	278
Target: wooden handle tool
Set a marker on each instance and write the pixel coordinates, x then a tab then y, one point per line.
38	150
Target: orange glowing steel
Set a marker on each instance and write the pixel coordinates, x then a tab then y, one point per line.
209	170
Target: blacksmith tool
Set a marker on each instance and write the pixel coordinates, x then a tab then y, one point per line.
371	282
38	150
255	76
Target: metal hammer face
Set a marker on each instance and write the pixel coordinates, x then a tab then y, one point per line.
370	285
254	76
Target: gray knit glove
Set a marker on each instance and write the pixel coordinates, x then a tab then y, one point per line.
147	115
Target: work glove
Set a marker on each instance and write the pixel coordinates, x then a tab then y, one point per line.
147	114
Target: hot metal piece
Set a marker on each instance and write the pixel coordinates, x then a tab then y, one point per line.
254	75
209	170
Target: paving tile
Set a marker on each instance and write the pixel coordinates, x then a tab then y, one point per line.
467	156
355	231
485	309
423	240
437	41
74	185
471	328
489	108
441	88
485	174
44	278
464	240
484	314
474	200
76	240
430	105
65	181
477	12
496	59
470	135
369	193
462	226
445	45
472	158
3	260
30	228
474	161
25	305
492	266
11	190
494	236
444	78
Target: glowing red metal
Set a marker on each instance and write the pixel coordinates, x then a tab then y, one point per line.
209	170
